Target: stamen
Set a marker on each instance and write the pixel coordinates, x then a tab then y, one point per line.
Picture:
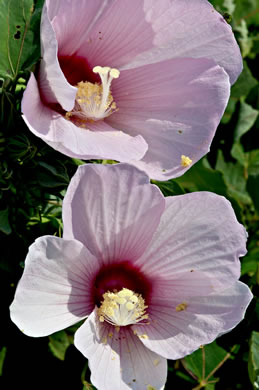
182	306
95	101
185	161
122	308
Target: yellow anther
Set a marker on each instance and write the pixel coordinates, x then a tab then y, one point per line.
182	306
122	308
125	292
134	299
185	161
130	305
121	301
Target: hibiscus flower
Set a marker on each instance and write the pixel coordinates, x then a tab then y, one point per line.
138	81
153	277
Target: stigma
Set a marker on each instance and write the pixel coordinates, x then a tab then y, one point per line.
122	308
94	101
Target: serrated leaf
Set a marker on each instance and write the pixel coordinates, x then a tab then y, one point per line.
253	361
58	344
4	222
19	36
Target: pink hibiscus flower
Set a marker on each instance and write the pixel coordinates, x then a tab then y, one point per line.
155	277
138	81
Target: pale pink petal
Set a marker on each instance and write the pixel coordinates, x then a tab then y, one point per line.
176	105
53	85
185	28
99	141
82	15
53	292
113	210
118	360
182	285
108	32
174	334
197	232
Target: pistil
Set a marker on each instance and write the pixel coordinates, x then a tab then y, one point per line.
94	101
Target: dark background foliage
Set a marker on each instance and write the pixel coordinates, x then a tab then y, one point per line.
33	181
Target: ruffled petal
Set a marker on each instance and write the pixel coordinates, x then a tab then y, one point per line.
118	360
174	332
113	210
176	105
185	28
97	141
53	85
53	292
197	232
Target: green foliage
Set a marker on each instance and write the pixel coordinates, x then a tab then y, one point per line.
253	362
58	344
2	358
203	363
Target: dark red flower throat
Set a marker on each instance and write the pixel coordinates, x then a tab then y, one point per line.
118	276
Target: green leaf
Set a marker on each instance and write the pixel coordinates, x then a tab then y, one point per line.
4	222
238	153
58	344
202	178
19	36
253	162
249	263
252	189
2	358
253	360
248	10
52	175
246	119
234	177
230	109
229	6
205	361
245	41
169	188
244	84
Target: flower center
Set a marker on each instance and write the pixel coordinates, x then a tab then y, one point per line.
122	308
95	101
